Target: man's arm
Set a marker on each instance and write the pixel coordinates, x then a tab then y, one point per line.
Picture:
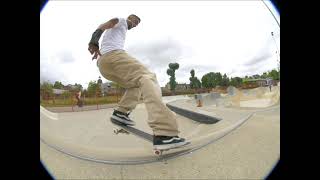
94	42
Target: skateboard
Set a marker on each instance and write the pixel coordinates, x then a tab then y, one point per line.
124	129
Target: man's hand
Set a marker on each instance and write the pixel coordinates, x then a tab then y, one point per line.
94	49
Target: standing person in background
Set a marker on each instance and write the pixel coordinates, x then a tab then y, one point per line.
78	97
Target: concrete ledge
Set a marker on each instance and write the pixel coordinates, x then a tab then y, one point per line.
202	118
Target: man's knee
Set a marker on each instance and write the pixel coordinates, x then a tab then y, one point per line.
150	81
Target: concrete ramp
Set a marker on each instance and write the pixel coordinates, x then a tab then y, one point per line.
260	97
44	113
89	135
245	144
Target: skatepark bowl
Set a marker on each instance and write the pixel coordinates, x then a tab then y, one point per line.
89	135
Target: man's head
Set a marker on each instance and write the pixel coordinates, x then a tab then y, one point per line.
133	21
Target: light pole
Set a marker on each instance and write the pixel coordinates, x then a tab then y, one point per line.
277	52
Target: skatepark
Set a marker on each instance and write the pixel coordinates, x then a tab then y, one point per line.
243	142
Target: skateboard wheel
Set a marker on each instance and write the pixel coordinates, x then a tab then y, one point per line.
115	131
122	131
158	152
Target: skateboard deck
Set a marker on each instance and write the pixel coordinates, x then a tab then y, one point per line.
130	129
122	128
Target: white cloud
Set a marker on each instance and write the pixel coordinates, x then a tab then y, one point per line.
232	37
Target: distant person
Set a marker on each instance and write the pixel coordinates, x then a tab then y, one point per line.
78	97
115	64
269	83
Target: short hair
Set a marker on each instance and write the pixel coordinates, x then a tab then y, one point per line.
136	17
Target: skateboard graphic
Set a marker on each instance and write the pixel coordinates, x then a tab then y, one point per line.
124	129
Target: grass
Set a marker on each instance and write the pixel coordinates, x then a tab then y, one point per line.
87	101
61	102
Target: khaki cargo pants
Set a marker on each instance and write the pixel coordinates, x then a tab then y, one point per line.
118	66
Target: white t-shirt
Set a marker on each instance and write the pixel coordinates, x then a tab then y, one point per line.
114	38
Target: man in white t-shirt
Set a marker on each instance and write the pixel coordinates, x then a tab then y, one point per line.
118	66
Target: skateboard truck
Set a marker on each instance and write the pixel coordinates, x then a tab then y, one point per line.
159	152
122	128
119	130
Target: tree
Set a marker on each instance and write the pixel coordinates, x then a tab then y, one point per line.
218	79
192	73
264	75
236	81
194	81
171	72
58	85
78	87
197	83
274	74
191	79
232	82
93	87
211	80
46	90
207	80
256	76
225	80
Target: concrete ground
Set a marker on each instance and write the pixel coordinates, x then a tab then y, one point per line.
244	145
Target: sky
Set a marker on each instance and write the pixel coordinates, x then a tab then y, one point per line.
231	37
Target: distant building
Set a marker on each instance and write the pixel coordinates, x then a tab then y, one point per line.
182	86
59	91
70	87
262	82
167	86
165	90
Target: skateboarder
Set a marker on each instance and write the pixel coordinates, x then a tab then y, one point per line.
116	65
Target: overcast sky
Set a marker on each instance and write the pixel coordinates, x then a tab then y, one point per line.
232	37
